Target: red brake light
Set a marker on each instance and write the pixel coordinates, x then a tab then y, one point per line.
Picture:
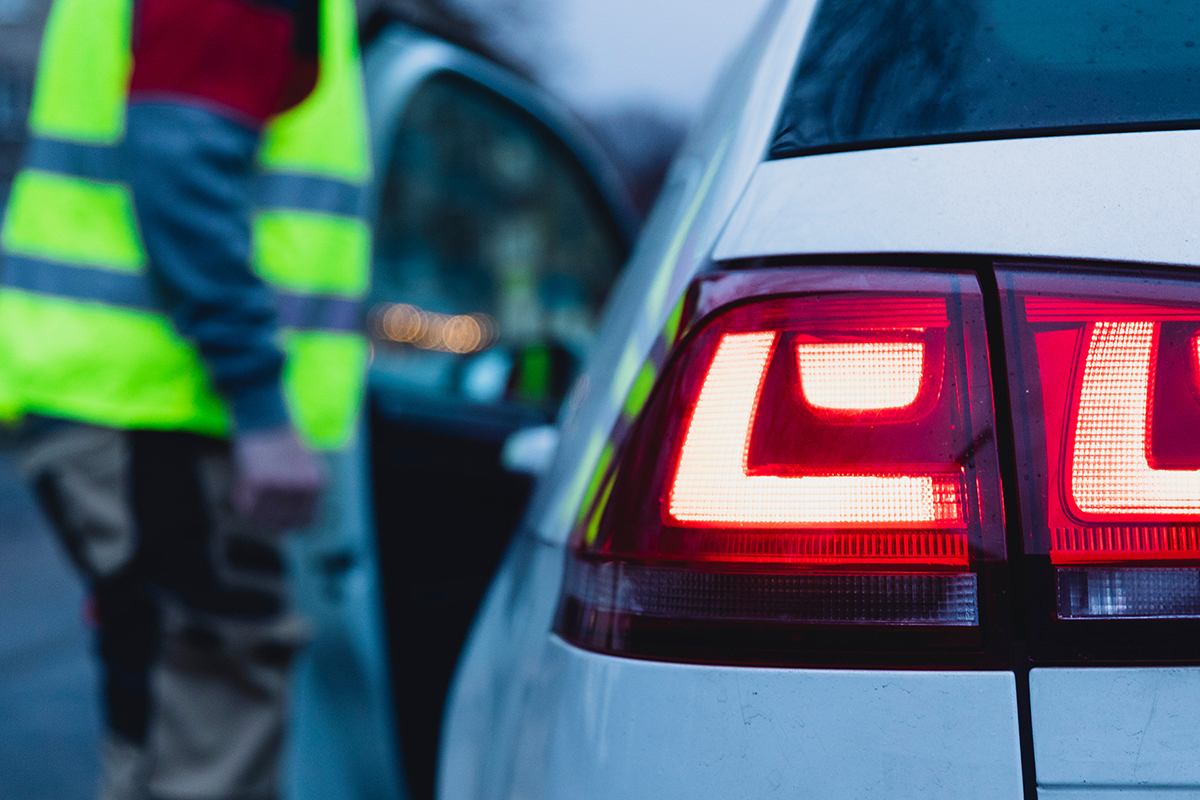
714	484
860	376
822	460
1116	506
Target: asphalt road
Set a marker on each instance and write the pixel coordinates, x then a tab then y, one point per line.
49	715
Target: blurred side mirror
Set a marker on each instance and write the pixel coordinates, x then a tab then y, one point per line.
530	450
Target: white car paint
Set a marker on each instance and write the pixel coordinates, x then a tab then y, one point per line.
629	728
1126	197
1108	727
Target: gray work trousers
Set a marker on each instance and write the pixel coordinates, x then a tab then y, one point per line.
194	631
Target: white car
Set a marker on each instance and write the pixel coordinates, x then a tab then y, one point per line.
883	476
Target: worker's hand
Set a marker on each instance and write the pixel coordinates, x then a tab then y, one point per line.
277	481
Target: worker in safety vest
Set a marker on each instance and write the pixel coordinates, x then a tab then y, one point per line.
183	257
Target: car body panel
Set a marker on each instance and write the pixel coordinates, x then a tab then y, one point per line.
722	732
1118	197
1117	727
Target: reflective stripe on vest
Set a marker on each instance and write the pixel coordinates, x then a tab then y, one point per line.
82	333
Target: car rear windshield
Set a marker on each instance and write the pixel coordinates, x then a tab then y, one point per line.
910	71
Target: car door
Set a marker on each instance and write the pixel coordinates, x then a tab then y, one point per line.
499	229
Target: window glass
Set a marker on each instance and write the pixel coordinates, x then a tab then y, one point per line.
494	250
921	70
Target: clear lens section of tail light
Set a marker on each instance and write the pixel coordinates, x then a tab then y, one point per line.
808	469
1105	380
1144	592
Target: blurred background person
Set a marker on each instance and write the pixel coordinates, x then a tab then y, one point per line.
182	254
636	72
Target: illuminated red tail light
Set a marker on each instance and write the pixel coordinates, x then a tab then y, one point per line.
715	485
816	466
1107	388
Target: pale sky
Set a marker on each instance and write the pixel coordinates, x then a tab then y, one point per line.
602	54
661	51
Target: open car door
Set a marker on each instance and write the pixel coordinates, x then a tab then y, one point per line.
499	230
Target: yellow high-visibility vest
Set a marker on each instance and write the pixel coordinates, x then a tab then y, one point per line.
82	335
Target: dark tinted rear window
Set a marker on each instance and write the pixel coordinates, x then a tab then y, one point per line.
895	71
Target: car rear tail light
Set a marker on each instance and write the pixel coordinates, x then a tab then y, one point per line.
1145	592
1106	386
814	473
